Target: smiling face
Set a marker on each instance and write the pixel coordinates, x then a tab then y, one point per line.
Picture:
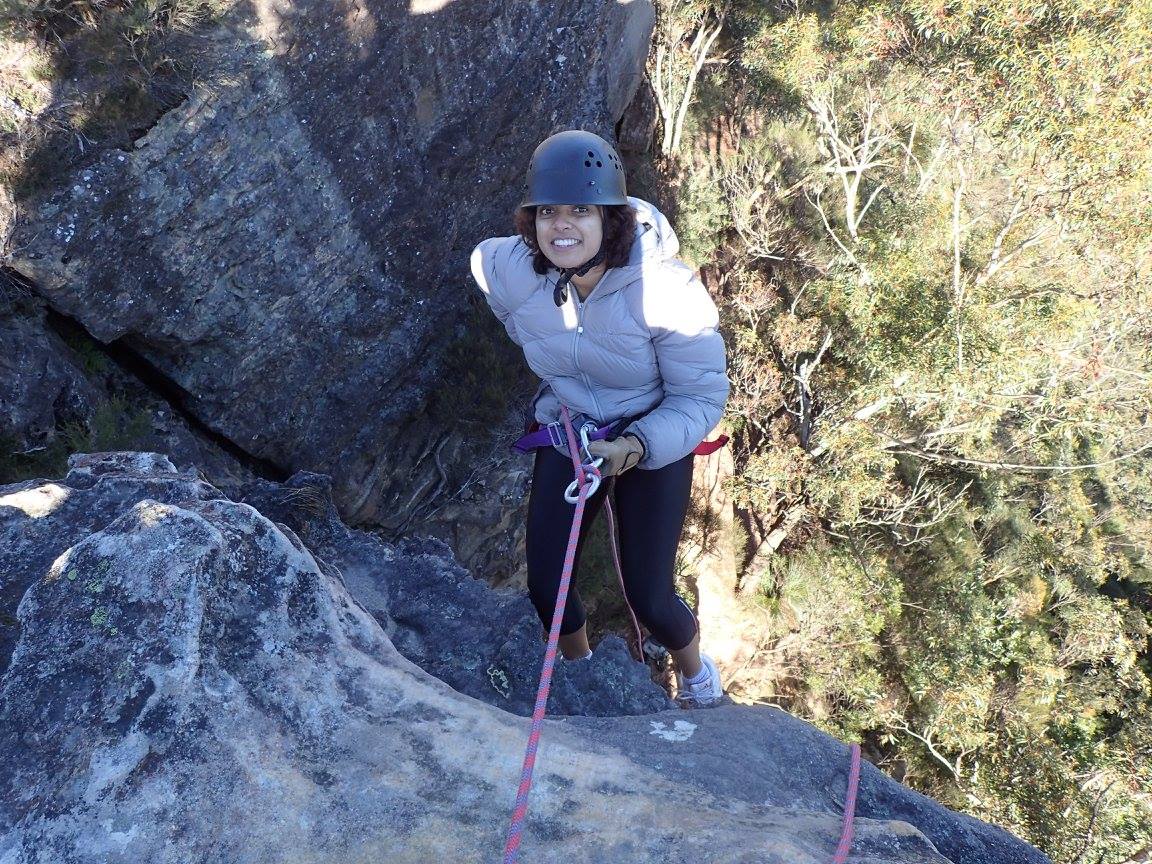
569	234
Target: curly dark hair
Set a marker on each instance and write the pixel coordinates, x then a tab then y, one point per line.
619	234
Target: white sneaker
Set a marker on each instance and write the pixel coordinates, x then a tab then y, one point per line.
706	694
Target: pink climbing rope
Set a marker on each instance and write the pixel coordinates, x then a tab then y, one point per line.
841	855
620	576
520	810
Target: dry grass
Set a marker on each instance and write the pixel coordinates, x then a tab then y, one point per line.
80	76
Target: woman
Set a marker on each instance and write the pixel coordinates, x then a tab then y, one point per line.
624	335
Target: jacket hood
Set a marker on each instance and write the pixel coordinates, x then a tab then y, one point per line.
655	239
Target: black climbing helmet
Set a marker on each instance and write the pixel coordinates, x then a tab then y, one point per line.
575	167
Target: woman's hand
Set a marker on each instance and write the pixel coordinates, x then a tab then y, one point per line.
619	455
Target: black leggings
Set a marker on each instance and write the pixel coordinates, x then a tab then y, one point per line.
650	507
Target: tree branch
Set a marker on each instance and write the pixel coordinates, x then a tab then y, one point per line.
898	447
903	727
831	233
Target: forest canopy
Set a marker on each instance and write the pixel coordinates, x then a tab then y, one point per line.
927	223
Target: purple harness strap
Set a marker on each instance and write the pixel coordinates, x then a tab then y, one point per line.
553	435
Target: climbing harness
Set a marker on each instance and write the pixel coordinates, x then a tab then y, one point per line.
587	481
707	448
553	435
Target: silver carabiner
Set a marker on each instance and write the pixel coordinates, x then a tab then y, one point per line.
586	430
572	493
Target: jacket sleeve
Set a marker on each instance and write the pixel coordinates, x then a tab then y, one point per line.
492	263
682	321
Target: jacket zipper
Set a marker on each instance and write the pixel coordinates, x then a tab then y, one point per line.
576	350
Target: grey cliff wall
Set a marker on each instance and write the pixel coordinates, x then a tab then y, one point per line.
188	679
39	388
289	245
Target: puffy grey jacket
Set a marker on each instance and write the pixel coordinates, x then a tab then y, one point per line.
643	343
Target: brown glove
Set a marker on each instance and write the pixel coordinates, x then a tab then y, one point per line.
618	455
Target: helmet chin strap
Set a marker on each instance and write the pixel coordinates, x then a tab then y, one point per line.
560	295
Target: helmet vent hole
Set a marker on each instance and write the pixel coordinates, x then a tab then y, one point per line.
591	155
599	164
587	164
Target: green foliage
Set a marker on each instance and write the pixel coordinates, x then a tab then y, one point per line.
114	425
88	354
933	214
833	609
703	217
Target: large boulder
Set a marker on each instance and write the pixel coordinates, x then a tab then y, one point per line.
189	681
289	245
481	642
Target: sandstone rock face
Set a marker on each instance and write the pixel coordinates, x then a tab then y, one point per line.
290	244
190	680
481	642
